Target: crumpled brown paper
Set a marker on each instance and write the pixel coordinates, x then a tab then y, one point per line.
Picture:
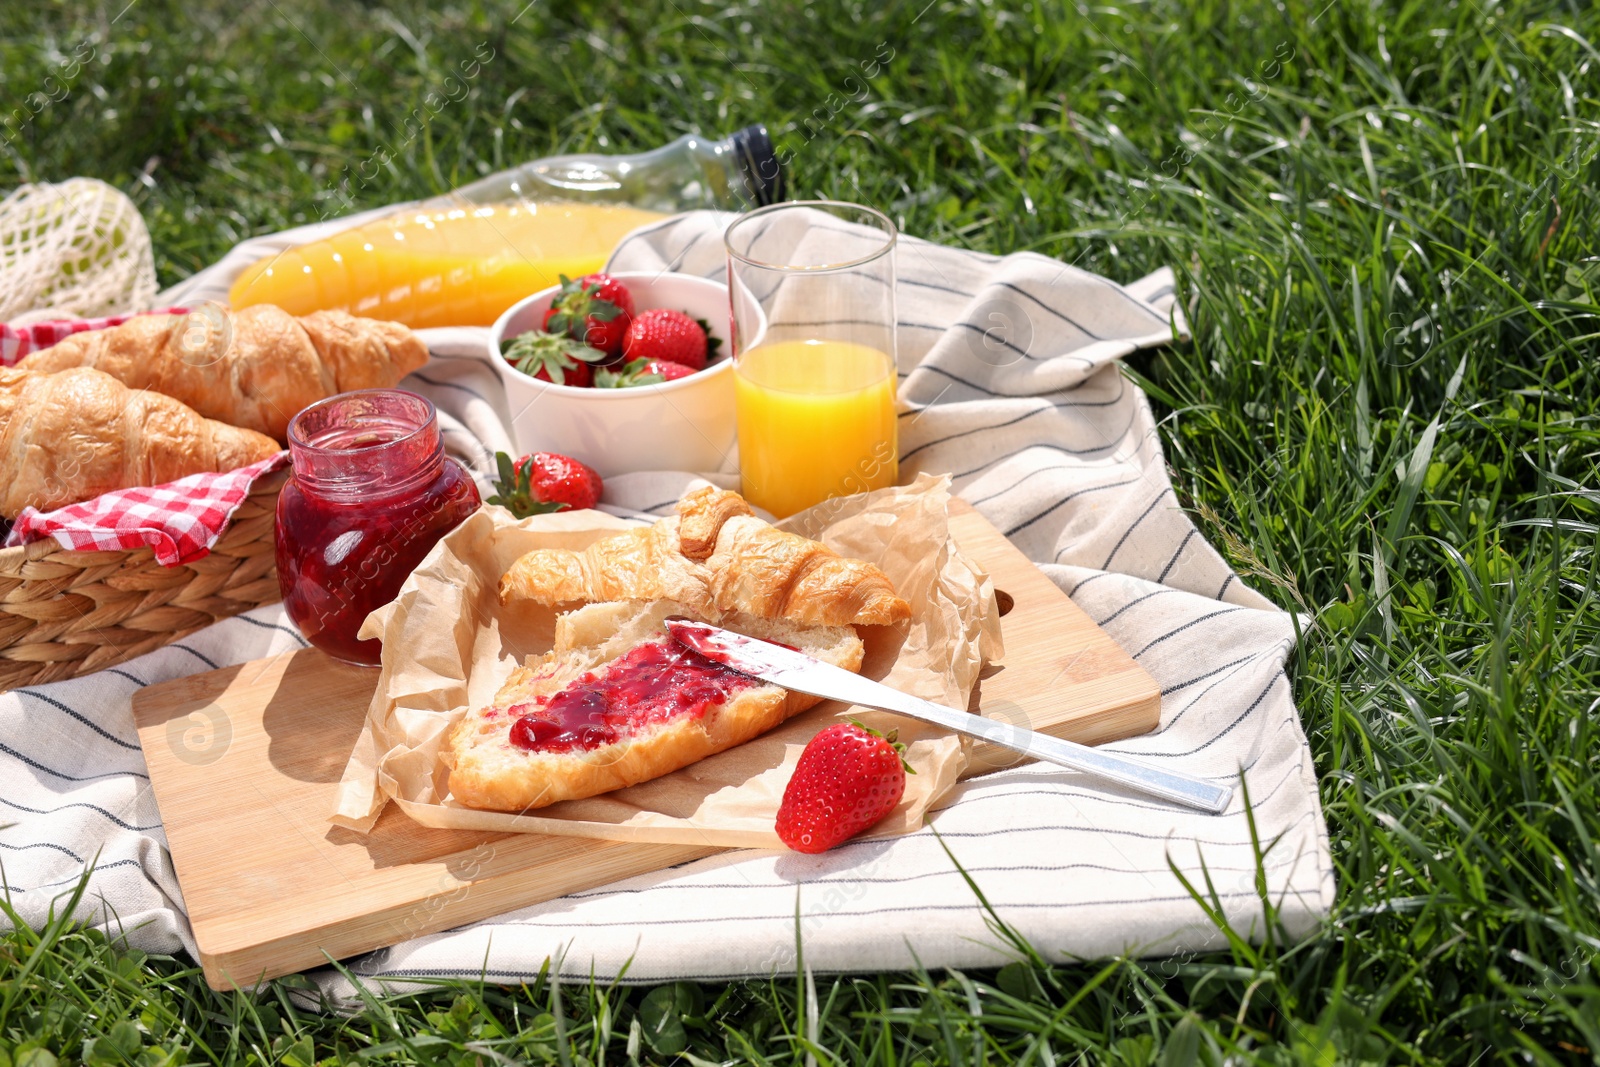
449	644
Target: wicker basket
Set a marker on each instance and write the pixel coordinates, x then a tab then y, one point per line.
65	613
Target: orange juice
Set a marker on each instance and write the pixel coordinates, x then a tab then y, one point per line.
460	266
816	420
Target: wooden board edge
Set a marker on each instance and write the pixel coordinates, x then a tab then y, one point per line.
288	952
1133	717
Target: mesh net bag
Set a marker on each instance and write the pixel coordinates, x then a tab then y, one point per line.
72	249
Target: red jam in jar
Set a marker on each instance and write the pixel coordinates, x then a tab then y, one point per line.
372	492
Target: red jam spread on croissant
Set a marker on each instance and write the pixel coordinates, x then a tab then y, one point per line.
652	683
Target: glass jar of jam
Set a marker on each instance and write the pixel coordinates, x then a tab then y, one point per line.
371	493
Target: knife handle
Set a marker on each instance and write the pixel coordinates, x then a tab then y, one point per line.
1137	775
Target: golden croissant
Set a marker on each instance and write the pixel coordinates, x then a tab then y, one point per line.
71	436
256	367
715	555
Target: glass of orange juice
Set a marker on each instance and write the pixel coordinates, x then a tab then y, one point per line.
812	286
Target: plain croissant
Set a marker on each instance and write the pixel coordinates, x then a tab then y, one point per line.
72	436
641	564
715	554
256	367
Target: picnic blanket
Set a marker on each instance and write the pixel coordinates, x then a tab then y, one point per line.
1009	383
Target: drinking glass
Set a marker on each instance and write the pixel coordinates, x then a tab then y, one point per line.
812	287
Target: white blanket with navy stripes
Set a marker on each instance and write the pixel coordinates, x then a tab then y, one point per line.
1010	382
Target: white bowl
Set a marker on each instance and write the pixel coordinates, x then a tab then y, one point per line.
686	424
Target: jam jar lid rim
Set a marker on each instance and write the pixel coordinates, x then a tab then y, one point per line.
297	442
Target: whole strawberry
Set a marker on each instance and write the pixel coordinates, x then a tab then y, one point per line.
848	778
551	357
596	309
640	372
542	482
662	333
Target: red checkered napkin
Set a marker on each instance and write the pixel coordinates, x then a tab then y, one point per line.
180	520
18	341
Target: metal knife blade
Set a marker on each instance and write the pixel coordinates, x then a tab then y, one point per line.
797	671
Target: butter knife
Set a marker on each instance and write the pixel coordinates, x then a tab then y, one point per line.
797	671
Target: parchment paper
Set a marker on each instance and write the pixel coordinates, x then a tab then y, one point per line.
448	644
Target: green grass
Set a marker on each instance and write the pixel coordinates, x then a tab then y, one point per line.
1387	417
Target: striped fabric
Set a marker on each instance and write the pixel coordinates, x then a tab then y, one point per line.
1010	383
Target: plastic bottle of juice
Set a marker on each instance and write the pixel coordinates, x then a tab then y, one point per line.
461	259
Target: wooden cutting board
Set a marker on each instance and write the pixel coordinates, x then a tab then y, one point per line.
245	762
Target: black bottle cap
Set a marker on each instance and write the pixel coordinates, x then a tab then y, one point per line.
762	171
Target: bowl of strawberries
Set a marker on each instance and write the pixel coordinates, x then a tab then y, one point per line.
626	371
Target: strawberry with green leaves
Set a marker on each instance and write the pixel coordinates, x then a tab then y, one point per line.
848	779
662	333
596	309
553	358
640	372
542	482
